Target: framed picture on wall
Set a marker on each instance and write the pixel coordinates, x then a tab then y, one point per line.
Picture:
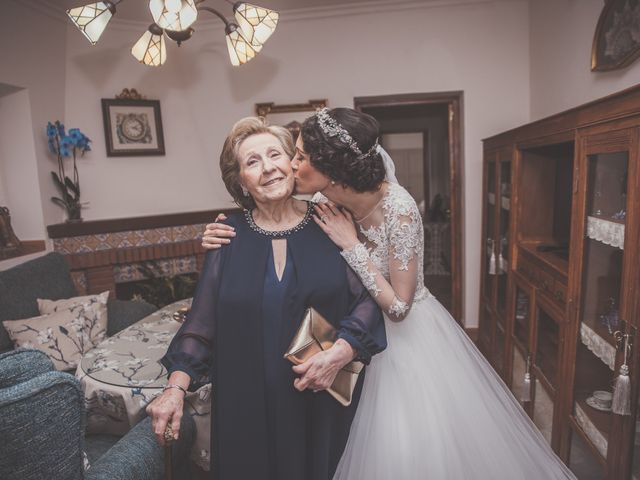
132	127
289	115
616	42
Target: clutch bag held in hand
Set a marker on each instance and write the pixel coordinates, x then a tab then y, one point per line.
315	335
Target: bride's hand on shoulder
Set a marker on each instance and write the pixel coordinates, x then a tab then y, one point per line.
337	223
217	234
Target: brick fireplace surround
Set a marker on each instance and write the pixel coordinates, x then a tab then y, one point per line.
103	253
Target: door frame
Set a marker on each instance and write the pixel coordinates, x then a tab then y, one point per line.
454	102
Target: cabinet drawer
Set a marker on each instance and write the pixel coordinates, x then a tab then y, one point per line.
559	292
546	282
527	270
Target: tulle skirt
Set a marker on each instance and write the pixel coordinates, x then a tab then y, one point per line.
433	408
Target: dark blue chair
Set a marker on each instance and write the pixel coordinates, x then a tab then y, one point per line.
42	423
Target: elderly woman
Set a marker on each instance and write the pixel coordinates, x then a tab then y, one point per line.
251	298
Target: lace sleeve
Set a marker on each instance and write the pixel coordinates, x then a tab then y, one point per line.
190	349
405	242
363	327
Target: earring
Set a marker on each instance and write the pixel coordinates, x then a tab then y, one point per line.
333	182
245	192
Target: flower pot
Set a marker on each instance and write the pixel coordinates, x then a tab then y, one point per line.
73	214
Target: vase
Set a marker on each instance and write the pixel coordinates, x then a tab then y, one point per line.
73	214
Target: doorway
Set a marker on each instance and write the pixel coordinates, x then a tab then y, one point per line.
423	134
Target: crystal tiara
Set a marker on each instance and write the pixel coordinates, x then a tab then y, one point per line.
333	129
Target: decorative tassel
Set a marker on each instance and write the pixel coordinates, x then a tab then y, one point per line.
526	384
526	388
502	264
492	263
621	404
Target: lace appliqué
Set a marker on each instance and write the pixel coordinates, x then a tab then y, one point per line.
405	238
358	259
398	308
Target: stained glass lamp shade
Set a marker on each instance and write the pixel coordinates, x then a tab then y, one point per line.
175	15
150	49
92	19
257	23
240	50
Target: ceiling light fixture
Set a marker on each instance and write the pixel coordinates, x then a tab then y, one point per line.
174	18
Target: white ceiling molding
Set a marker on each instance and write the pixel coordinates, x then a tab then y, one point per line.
49	8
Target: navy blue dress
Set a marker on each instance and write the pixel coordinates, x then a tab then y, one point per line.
241	322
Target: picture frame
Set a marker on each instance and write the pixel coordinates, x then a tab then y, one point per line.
290	115
616	42
132	127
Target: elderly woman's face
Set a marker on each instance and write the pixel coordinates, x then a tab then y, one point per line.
308	179
265	168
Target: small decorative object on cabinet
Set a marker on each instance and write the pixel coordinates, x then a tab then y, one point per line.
560	291
9	242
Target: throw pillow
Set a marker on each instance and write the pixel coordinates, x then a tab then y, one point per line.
98	302
66	333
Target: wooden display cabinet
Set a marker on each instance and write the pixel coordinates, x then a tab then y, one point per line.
569	289
496	254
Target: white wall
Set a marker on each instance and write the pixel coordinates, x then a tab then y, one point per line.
18	167
32	56
476	46
561	38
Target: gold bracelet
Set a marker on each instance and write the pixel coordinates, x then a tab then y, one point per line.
174	385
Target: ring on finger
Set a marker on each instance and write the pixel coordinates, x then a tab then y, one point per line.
168	434
324	218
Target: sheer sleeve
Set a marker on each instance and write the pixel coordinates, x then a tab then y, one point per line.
405	241
191	347
363	327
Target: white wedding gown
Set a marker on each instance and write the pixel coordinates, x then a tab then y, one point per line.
432	407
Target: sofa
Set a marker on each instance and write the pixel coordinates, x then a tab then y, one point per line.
49	277
43	430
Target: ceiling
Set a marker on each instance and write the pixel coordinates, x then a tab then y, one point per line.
138	10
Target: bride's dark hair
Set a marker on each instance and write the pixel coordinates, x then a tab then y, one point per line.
334	158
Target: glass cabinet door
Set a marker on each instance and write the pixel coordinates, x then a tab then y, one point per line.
490	258
546	361
502	241
521	354
522	320
599	311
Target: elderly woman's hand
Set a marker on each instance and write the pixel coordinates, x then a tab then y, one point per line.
217	234
319	372
168	406
337	223
164	409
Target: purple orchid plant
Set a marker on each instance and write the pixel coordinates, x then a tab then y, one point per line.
65	145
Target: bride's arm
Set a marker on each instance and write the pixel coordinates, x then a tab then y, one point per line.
394	297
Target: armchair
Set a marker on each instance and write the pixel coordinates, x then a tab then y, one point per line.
42	430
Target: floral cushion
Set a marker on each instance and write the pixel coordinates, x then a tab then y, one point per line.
97	302
72	328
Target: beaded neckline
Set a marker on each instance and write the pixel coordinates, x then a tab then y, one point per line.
279	233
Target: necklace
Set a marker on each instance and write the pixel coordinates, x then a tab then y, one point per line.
279	233
372	210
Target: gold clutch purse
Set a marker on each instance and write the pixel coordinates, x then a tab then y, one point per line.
315	335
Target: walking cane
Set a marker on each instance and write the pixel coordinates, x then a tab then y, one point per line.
168	440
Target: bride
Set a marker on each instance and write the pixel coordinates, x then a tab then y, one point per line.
434	408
